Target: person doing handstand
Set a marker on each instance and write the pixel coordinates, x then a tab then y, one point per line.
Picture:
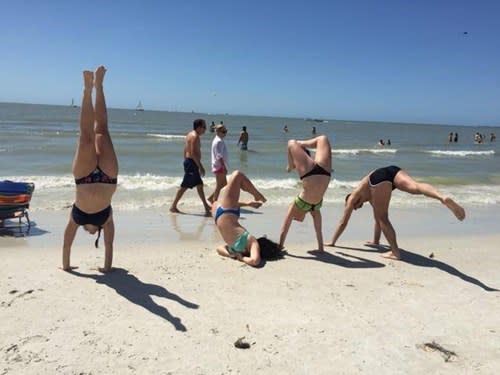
95	169
376	188
315	175
241	245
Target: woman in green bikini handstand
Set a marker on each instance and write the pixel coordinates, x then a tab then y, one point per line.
241	245
315	175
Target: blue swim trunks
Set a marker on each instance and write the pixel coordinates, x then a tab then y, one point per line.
192	176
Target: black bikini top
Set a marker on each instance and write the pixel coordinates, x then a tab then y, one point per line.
97	176
317	169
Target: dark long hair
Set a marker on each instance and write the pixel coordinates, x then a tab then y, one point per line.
269	250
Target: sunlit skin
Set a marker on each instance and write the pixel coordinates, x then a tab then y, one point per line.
228	224
313	187
95	148
379	197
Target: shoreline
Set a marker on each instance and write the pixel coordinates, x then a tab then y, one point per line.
153	226
173	306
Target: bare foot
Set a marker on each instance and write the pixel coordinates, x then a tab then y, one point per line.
332	244
260	197
255	204
88	79
175	210
99	76
68	269
316	252
455	208
106	270
391	255
208	212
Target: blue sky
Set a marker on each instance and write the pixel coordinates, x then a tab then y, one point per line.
407	61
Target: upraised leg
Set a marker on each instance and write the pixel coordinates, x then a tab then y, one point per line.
323	150
107	160
406	183
237	182
297	158
85	156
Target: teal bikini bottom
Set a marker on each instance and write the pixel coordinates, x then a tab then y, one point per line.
240	243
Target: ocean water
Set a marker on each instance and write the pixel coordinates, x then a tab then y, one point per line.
37	144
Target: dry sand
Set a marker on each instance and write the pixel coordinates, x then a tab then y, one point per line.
173	306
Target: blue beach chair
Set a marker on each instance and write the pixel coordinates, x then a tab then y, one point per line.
15	200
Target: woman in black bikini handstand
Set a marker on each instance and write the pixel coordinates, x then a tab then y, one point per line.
95	169
377	188
315	175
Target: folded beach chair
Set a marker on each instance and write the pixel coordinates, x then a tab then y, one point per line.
15	200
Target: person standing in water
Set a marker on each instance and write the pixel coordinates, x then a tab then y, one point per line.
243	141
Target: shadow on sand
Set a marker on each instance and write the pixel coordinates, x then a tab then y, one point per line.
134	290
422	261
10	228
330	258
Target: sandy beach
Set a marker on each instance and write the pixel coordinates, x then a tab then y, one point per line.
173	306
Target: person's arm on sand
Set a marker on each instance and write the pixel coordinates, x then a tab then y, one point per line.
342	224
109	236
286	226
317	220
69	236
254	258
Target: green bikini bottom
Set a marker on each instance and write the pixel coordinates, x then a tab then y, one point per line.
306	207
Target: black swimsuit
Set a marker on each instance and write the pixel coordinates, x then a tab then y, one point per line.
317	170
381	175
96	176
98	218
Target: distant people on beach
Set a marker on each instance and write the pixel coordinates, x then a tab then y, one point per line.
220	161
315	176
450	137
313	130
455	138
381	142
376	188
388	143
243	141
193	169
285	129
478	138
95	169
212	127
240	244
492	137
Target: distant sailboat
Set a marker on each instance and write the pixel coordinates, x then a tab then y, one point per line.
139	107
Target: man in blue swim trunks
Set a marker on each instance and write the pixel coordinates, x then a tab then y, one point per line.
193	169
376	188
